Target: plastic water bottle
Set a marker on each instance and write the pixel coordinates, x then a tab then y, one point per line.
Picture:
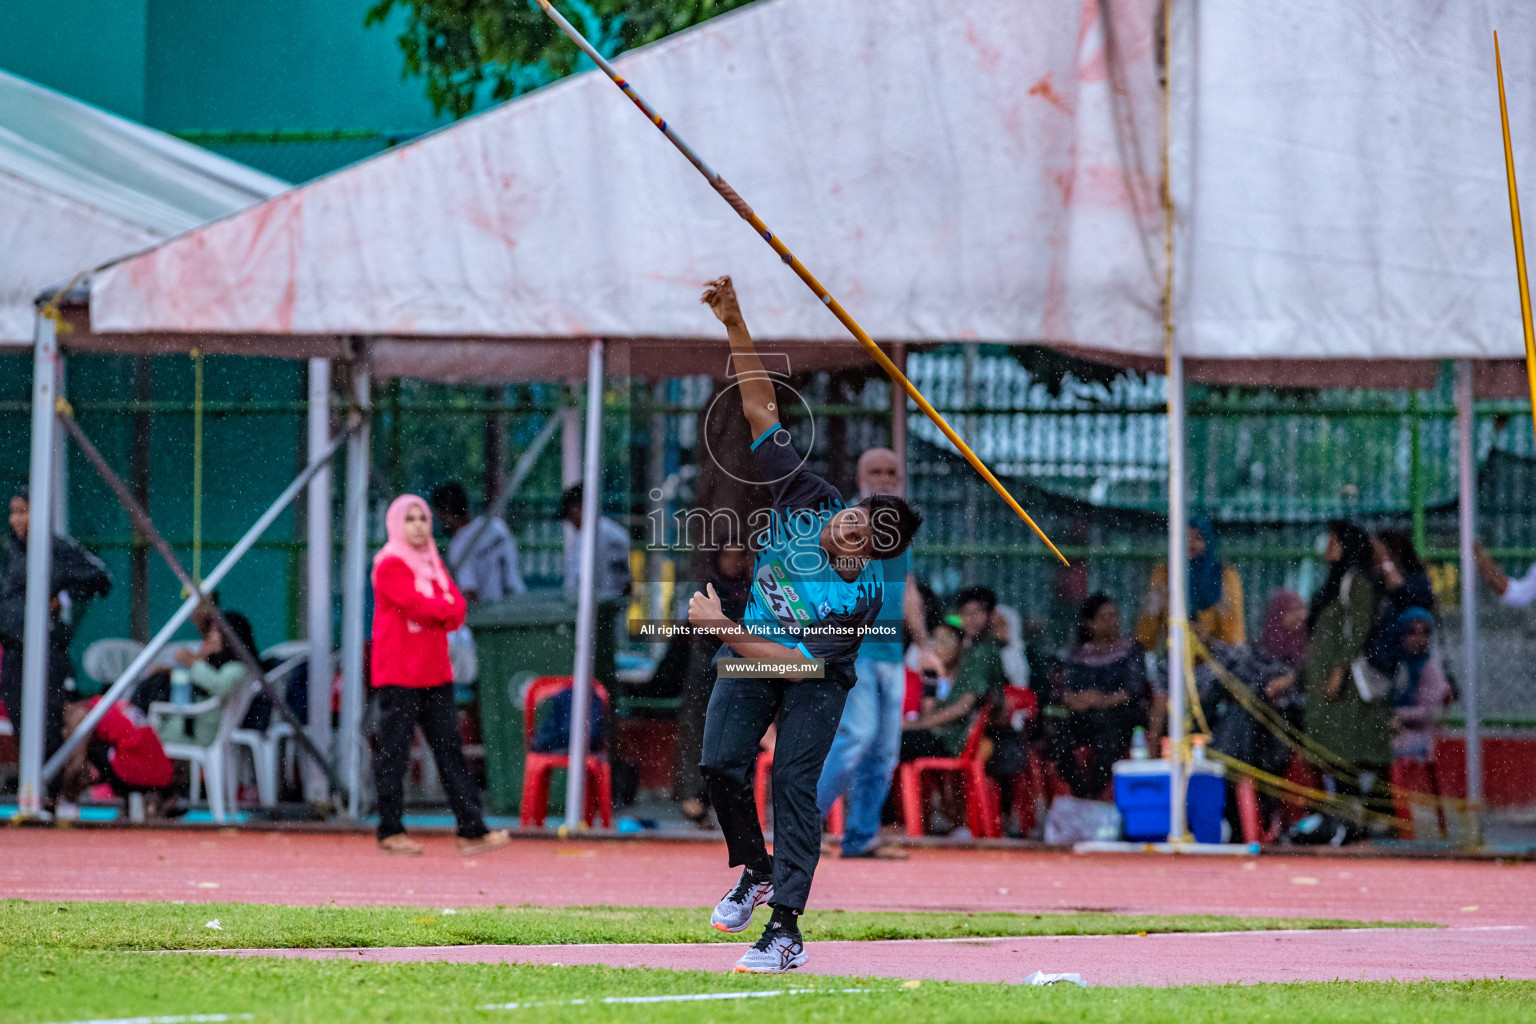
1197	743
181	686
1139	750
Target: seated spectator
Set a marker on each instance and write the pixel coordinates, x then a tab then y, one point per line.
984	635
948	709
1104	692
1420	690
482	553
123	752
987	633
1269	670
1008	630
214	670
1215	595
940	725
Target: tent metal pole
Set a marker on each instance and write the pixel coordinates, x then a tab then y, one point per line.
354	583
586	598
32	715
1178	597
1467	529
124	684
60	510
319	579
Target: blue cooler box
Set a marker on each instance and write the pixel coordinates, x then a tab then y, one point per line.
1141	794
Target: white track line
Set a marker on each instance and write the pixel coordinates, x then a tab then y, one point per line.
697	997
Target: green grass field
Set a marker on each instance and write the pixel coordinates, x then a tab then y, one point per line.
157	926
71	962
58	985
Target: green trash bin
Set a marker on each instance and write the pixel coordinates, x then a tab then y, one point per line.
516	640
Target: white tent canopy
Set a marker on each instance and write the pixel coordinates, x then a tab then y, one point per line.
979	171
952	171
80	186
1339	175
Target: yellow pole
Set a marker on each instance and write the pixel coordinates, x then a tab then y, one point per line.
746	213
1514	217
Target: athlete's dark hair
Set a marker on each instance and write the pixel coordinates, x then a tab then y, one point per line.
986	595
894	523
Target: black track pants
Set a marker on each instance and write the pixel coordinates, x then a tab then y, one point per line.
740	711
401	710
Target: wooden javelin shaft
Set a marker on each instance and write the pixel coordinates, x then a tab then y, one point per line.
747	214
1514	216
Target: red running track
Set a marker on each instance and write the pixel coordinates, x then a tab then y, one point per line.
311	868
1387	954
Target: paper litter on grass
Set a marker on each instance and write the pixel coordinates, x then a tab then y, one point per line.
1041	978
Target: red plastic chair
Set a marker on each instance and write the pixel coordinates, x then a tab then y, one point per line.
1029	786
981	812
537	768
1418	777
1249	816
761	776
1301	772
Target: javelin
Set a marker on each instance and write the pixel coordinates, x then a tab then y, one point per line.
740	206
1514	216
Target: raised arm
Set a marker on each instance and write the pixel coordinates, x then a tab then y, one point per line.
757	396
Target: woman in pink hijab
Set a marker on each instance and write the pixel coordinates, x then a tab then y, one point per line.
415	606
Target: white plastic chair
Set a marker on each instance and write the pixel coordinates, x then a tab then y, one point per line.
266	747
209	763
285	650
105	660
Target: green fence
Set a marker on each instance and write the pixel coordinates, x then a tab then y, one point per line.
1083	450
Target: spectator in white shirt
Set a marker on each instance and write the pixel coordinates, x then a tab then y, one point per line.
613	578
482	553
1514	593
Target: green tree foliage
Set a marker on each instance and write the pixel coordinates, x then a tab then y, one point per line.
485	51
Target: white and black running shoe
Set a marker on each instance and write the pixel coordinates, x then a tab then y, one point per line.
734	912
779	950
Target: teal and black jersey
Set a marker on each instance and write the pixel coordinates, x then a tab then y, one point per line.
798	598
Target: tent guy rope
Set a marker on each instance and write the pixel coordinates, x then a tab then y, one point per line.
740	206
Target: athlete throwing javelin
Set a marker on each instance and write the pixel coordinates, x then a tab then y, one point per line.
817	582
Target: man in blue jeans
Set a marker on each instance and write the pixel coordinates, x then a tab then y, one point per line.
868	742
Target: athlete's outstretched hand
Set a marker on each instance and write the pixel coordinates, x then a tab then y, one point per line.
720	296
704	611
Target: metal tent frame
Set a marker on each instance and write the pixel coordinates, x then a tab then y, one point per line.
49	410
